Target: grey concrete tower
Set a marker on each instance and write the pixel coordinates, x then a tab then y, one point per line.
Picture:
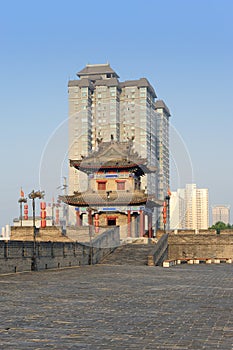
101	107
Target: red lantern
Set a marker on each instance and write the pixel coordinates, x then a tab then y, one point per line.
164	212
43	223
43	214
42	205
25	212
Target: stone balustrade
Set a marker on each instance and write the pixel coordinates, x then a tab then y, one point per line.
159	252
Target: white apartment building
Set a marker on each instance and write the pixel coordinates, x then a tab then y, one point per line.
101	107
221	213
162	153
189	208
177	209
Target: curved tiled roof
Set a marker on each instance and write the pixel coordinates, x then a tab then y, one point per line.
113	155
109	198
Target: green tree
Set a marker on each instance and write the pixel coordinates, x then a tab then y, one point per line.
221	226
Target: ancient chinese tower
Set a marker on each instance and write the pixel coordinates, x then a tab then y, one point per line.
114	196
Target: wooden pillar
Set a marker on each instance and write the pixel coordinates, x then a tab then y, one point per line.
78	218
137	226
144	222
133	226
141	224
57	219
89	217
129	223
90	222
96	222
150	225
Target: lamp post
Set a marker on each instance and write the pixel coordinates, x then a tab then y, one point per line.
21	201
33	195
64	188
90	223
167	198
53	206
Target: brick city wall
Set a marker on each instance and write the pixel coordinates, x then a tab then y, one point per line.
200	245
16	256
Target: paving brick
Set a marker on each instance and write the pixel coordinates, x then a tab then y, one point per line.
118	307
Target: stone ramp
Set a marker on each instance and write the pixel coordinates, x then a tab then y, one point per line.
129	254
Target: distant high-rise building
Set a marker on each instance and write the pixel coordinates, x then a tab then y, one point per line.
190	208
177	209
103	108
162	152
221	213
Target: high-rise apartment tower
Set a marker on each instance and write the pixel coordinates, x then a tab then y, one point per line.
103	108
190	208
162	153
221	213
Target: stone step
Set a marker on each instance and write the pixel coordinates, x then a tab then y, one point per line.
129	254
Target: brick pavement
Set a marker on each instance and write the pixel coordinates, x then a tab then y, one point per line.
118	307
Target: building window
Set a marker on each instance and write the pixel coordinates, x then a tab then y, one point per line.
101	185
120	185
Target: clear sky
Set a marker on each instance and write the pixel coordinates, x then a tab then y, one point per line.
183	47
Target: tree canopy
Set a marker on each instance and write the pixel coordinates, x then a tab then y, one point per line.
221	226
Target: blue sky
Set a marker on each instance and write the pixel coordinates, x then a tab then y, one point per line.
184	48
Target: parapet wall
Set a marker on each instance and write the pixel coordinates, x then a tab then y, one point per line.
200	245
160	252
18	256
26	233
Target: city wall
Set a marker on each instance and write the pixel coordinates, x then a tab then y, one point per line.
18	256
181	246
26	233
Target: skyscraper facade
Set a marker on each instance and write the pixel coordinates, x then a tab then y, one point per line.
101	107
221	213
177	209
190	208
162	153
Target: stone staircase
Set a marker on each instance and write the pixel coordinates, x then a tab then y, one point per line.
129	254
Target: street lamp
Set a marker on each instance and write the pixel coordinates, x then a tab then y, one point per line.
90	224
33	195
21	201
167	198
